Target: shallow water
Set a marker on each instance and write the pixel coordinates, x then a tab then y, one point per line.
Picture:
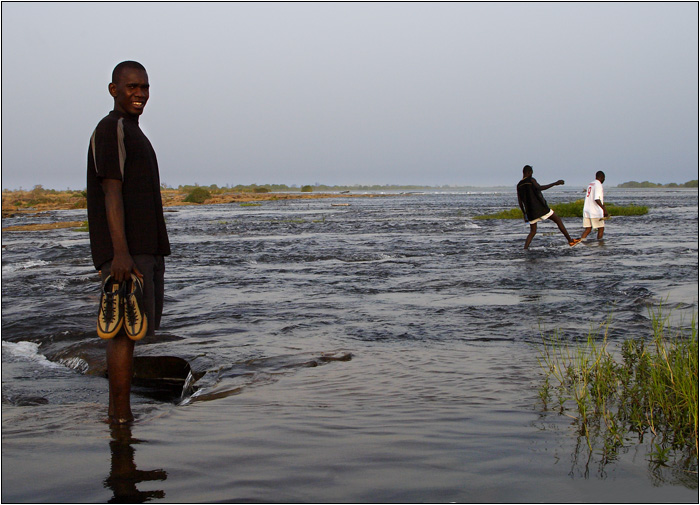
382	351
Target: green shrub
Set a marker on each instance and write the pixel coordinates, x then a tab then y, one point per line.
80	204
307	189
198	195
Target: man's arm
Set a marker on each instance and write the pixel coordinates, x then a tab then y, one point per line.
522	207
598	196
600	204
547	186
122	262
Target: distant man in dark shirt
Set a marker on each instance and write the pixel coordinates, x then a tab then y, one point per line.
125	215
535	207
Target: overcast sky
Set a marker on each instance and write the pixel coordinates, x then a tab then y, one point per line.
359	93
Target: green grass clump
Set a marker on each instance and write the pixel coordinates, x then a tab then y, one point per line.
249	204
571	209
650	392
627	210
504	214
84	227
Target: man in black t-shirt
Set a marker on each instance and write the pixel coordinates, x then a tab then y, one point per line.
535	207
125	215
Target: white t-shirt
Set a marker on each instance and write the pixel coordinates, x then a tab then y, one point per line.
590	208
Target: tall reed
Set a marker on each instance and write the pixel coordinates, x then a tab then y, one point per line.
648	395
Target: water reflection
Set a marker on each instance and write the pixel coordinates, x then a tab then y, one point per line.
123	475
679	469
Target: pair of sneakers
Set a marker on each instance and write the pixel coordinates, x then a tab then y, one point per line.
121	305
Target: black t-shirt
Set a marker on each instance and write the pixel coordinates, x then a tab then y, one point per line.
119	150
530	194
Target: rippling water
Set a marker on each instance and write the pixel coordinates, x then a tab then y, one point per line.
380	351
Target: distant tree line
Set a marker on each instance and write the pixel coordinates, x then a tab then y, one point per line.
647	184
274	188
240	188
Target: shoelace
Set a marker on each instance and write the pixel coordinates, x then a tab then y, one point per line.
130	312
110	307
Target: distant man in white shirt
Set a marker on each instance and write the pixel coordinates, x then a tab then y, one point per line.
594	210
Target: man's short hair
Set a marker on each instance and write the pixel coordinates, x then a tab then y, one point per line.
527	169
599	174
116	73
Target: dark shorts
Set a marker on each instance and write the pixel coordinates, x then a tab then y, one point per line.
153	270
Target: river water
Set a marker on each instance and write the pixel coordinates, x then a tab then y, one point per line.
383	350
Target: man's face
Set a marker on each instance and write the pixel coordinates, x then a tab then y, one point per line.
130	92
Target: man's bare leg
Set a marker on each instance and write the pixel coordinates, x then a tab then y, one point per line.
533	232
561	226
120	368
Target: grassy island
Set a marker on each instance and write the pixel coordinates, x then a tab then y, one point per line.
571	209
647	184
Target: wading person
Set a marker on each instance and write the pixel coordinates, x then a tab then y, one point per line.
128	238
535	208
594	210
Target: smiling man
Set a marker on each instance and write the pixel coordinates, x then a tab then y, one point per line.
128	237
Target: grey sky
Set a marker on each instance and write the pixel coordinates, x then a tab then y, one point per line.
359	93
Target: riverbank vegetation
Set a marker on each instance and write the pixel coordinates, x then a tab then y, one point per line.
40	199
646	392
282	188
571	209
